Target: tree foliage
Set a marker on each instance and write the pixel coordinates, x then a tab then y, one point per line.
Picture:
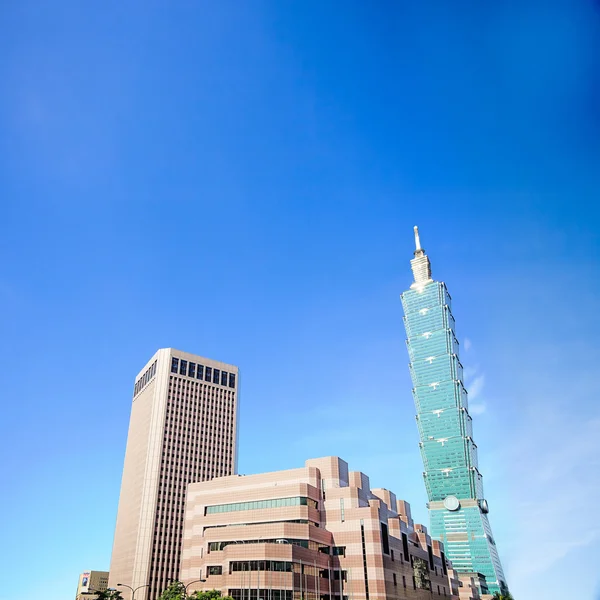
208	595
502	596
175	591
109	595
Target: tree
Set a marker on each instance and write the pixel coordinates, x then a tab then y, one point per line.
175	591
502	596
109	595
209	595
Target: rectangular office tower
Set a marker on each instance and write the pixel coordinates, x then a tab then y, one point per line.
457	508
182	429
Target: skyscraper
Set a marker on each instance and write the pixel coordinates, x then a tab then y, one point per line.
457	509
182	428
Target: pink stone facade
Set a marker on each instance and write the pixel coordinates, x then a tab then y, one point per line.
314	533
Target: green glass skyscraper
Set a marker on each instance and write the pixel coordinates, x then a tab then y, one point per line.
457	509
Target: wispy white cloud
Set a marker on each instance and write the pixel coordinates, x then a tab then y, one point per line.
475	387
554	462
477	408
474	383
468	373
467	344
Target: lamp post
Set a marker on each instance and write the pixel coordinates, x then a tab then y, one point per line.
185	587
133	591
100	591
185	595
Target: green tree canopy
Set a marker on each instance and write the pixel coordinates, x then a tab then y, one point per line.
209	595
109	595
502	596
175	591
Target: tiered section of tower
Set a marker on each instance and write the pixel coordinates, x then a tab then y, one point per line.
447	447
458	511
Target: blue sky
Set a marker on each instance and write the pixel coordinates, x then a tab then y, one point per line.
240	180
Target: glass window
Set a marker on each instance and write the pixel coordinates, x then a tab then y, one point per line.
385	540
183	367
192	370
208	374
216	570
405	546
259	504
223	377
261	565
174	365
200	373
231	380
216	374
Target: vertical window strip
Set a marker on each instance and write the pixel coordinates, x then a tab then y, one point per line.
364	553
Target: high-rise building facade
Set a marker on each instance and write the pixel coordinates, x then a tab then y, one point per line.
315	533
183	428
457	508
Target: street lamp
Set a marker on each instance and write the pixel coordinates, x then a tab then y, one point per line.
100	591
132	590
190	583
185	587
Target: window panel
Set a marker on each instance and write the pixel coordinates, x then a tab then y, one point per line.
261	504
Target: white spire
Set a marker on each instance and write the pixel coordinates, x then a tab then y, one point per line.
417	239
420	265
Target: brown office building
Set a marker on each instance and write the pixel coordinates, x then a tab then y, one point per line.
314	533
182	429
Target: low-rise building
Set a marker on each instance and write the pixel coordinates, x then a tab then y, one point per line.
473	586
315	533
91	582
